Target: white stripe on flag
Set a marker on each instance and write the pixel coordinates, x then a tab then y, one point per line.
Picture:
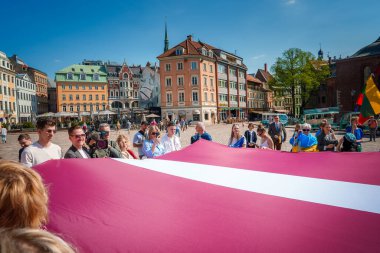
355	196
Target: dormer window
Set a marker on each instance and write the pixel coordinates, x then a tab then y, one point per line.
70	76
179	51
204	51
210	53
82	76
96	77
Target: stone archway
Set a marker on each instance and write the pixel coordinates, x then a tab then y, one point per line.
116	104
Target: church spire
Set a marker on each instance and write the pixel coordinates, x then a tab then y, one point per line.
166	48
320	52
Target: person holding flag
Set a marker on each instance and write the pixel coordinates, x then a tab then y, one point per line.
369	100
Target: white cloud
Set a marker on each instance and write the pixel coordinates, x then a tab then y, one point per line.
290	2
258	57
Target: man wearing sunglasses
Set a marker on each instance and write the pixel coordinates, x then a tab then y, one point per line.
43	149
77	138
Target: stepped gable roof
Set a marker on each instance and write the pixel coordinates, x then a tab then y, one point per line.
266	75
370	50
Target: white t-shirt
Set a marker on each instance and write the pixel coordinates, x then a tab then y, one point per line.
36	154
170	144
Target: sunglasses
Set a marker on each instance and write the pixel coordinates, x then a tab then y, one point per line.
155	133
78	136
306	130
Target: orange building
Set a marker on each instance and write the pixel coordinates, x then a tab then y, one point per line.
8	108
82	89
188	83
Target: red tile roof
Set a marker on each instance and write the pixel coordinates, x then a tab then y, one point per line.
191	48
251	78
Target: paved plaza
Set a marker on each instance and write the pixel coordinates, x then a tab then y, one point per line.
220	133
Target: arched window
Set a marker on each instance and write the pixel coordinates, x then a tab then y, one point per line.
125	76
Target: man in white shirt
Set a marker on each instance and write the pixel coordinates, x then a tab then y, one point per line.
42	150
77	138
171	141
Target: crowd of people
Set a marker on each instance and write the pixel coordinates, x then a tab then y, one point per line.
89	143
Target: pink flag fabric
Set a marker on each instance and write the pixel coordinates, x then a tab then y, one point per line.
211	198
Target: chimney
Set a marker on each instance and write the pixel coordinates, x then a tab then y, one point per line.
189	37
265	67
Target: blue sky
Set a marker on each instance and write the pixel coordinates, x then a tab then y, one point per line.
50	35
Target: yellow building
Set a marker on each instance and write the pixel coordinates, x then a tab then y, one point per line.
82	89
8	108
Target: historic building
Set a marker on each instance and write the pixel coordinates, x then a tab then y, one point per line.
82	89
259	97
188	82
349	76
26	99
232	85
8	108
202	83
39	78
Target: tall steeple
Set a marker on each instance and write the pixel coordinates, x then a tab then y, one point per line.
320	52
166	48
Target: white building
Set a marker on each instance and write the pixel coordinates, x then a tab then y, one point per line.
26	99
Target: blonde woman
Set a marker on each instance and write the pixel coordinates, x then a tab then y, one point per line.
152	146
32	240
266	140
23	197
237	140
124	145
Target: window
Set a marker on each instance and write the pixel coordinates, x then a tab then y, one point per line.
111	93
169	97
82	76
179	65
181	97
70	87
84	107
205	81
96	97
64	108
233	85
206	98
222	69
232	72
90	87
78	108
96	77
63	97
204	51
241	74
211	69
180	81
195	96
210	53
242	99
168	81
97	107
77	87
194	65
71	108
102	87
204	67
194	80
77	96
71	97
84	96
125	76
212	97
233	98
96	87
222	83
167	67
104	107
206	116
241	86
212	82
70	76
90	97
179	51
83	87
103	97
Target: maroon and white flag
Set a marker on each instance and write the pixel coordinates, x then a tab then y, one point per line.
211	198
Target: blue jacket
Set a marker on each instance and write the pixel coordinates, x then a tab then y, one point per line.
204	136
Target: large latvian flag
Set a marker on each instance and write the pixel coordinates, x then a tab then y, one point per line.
370	105
211	198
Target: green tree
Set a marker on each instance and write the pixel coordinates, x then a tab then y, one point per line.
297	68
